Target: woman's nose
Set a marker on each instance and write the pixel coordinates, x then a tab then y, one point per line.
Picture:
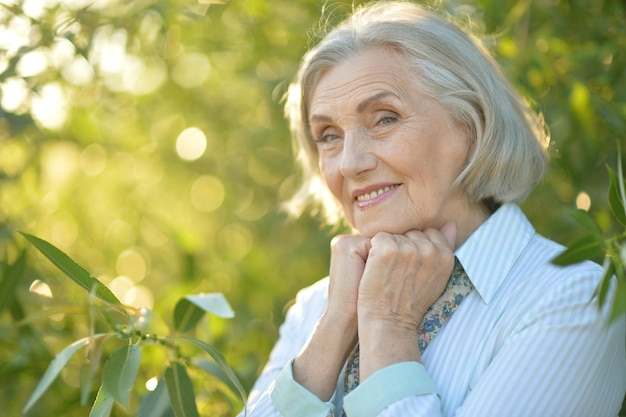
356	157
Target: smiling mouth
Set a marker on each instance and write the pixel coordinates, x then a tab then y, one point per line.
372	195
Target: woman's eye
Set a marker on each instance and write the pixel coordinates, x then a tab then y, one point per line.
327	137
385	120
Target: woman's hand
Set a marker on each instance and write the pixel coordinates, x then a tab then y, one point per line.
336	332
403	276
348	255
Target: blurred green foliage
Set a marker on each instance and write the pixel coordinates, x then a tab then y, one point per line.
146	139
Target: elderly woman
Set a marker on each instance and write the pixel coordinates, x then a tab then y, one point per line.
444	301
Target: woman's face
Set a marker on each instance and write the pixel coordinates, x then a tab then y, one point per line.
388	153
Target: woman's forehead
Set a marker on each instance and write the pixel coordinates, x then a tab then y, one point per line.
374	75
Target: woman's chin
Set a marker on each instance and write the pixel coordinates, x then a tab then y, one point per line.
370	230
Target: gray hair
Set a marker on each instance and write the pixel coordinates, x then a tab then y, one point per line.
509	140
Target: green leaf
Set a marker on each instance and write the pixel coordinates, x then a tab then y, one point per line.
155	403
214	303
186	315
619	305
190	310
12	274
584	219
587	247
88	371
55	367
603	287
120	372
217	371
615	197
74	271
103	405
619	302
180	390
220	361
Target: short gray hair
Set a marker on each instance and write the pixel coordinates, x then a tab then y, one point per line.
509	140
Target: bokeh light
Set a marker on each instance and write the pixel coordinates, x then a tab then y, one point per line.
191	144
59	162
50	106
207	193
15	95
152	383
583	201
191	69
93	160
40	288
32	63
132	264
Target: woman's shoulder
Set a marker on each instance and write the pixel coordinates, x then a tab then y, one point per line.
547	250
540	279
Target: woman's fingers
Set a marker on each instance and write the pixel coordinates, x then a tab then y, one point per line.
348	255
449	232
406	274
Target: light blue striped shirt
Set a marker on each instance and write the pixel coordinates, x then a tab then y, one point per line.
529	341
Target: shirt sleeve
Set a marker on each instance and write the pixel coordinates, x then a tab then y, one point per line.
276	393
388	386
292	399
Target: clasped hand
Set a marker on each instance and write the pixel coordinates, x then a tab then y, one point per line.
389	280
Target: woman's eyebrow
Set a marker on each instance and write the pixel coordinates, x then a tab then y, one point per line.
360	108
368	101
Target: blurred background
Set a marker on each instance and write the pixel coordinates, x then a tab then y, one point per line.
146	139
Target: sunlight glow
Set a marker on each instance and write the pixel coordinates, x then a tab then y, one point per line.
40	288
78	71
131	264
152	383
137	296
14	155
32	63
237	241
15	35
62	52
50	107
93	160
33	8
120	287
583	201
207	194
15	96
142	76
65	231
59	163
191	70
191	144
108	49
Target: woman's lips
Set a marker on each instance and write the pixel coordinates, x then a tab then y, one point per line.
368	199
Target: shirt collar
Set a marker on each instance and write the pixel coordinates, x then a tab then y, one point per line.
490	252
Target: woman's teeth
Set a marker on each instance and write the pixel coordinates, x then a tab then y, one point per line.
374	194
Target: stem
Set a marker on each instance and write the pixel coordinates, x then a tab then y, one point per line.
620	177
49	312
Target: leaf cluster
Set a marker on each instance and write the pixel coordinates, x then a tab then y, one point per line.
593	245
121	368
